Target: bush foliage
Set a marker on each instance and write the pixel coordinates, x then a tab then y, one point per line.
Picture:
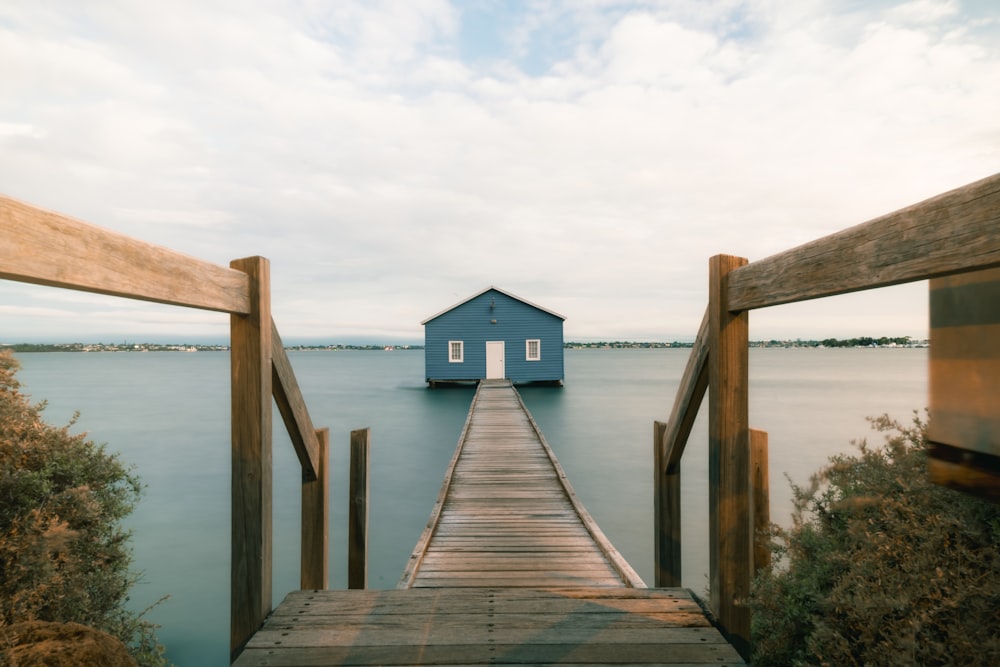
881	567
64	556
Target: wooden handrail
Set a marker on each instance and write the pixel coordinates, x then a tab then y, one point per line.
293	410
46	248
690	393
954	232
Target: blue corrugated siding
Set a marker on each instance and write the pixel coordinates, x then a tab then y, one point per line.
472	323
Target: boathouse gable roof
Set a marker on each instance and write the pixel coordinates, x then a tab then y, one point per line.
484	291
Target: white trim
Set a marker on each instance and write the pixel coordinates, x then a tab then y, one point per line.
505	293
538	349
461	352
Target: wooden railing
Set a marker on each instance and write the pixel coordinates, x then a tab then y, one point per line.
46	248
956	232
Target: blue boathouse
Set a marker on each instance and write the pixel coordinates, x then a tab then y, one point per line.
494	335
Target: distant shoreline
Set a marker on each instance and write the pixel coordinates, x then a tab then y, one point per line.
861	342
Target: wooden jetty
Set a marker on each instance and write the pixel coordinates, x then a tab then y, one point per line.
511	569
504	573
507	515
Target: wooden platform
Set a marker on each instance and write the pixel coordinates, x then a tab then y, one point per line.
489	626
511	569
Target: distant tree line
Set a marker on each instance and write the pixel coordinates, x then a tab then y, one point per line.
38	347
867	341
618	344
171	347
862	341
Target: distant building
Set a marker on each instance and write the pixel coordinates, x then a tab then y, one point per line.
494	334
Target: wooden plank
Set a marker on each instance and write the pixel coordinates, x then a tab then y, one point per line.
463	631
599	620
507	491
730	524
315	551
580	600
482	626
498	653
357	534
444	566
530	579
629	576
760	487
250	361
410	571
292	407
47	248
951	233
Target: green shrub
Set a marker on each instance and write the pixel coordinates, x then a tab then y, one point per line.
63	553
881	567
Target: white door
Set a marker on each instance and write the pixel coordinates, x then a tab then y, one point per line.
494	360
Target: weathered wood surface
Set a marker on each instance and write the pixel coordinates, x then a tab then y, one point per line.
292	407
954	232
508	516
314	559
667	569
690	393
730	523
489	626
46	248
760	487
964	427
357	513
251	547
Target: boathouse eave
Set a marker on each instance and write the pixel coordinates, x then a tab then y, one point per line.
495	289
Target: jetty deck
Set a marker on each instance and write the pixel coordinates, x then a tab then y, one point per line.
506	515
511	569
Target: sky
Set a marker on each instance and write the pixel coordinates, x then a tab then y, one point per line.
393	158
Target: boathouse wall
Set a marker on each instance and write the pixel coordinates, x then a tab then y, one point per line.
494	316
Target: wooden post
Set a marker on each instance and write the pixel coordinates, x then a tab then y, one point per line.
250	583
730	523
667	511
964	428
357	537
314	568
761	488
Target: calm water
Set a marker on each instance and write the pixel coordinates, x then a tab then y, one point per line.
167	413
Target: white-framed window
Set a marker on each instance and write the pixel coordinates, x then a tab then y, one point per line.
456	351
533	349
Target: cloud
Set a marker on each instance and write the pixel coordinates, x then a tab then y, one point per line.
590	156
